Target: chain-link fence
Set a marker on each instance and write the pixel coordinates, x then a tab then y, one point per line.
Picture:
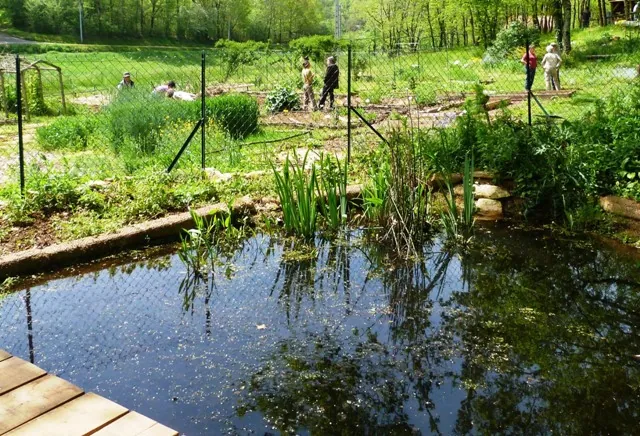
106	114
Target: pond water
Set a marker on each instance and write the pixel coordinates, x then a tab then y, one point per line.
525	334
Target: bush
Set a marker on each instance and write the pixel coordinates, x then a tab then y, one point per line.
67	133
35	96
425	95
515	35
236	114
281	99
316	47
234	54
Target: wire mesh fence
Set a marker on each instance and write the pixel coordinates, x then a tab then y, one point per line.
83	115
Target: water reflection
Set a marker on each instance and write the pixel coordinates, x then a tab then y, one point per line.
540	339
522	334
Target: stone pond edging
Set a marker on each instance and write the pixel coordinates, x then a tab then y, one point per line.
493	203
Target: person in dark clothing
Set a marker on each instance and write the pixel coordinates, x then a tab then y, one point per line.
331	82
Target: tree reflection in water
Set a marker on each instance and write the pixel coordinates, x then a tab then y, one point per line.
537	335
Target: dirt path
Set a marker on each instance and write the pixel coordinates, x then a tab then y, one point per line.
7	39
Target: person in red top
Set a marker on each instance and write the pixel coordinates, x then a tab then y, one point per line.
530	64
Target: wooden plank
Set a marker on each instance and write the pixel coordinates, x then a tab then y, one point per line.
159	430
4	355
82	416
134	424
29	401
16	372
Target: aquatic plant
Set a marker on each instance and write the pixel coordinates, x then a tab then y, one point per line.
332	191
459	227
298	197
407	195
375	193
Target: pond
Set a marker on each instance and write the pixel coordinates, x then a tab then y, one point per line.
525	333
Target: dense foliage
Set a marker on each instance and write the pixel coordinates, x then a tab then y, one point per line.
557	168
282	99
391	23
236	114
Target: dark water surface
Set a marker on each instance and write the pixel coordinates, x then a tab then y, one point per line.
524	334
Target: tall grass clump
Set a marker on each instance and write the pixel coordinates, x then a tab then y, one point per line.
140	115
298	197
407	195
458	227
375	193
332	191
236	114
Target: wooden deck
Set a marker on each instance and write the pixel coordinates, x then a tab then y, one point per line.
33	402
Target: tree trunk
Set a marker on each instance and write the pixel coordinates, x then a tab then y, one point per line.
535	12
566	26
556	13
473	27
431	34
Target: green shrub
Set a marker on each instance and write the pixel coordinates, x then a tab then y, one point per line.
35	96
281	99
67	133
425	95
515	35
236	114
234	54
317	47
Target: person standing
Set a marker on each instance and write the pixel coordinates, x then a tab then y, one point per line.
331	82
530	62
551	64
126	81
307	81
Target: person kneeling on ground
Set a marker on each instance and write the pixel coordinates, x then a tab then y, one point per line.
331	82
164	89
551	63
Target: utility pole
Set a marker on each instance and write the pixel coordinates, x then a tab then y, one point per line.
338	17
80	11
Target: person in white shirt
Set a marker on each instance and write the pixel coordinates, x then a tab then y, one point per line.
551	64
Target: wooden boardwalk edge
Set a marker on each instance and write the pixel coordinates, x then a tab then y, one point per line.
33	402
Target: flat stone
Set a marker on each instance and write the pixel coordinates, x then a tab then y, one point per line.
216	176
488	210
486	175
97	185
491	191
621	206
254	174
244	206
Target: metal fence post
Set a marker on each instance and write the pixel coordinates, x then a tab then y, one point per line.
203	111
19	110
349	69
526	81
